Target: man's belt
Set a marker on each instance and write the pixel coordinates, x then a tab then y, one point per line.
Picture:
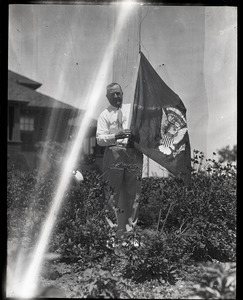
122	145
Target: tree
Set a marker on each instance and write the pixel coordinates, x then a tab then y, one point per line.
228	155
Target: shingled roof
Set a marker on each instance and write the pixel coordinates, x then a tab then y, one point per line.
23	89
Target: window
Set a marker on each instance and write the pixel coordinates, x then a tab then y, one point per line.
26	124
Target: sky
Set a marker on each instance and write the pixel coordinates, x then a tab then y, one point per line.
192	48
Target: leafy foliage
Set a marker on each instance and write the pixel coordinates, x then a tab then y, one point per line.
100	283
176	225
154	259
29	197
203	219
215	284
82	220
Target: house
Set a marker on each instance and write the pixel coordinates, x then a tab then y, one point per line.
34	119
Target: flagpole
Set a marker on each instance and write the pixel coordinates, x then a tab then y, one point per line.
137	62
147	166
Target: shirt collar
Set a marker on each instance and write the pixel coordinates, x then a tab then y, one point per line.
111	107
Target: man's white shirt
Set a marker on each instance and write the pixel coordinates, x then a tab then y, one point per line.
108	125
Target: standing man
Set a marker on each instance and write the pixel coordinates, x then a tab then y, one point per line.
122	163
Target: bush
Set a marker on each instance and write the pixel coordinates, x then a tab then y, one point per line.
203	218
99	283
29	196
81	228
175	225
157	258
215	284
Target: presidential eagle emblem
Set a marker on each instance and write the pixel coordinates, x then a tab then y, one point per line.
172	131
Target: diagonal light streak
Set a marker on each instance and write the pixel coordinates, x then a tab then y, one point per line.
30	280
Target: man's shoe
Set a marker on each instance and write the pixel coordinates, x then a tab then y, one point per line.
111	243
132	242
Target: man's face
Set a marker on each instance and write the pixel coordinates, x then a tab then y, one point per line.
115	96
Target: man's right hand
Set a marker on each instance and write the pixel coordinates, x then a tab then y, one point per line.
122	134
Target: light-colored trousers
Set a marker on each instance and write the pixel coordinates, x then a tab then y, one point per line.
122	169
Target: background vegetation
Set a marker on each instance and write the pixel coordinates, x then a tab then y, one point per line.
177	226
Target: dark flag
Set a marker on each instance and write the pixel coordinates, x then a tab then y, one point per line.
159	124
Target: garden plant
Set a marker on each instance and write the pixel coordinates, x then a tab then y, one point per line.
179	230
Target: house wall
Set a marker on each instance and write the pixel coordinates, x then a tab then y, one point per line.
13	148
50	124
13	124
14	145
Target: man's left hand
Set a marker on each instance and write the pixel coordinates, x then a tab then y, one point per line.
122	134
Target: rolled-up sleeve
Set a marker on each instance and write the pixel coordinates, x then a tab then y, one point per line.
103	135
